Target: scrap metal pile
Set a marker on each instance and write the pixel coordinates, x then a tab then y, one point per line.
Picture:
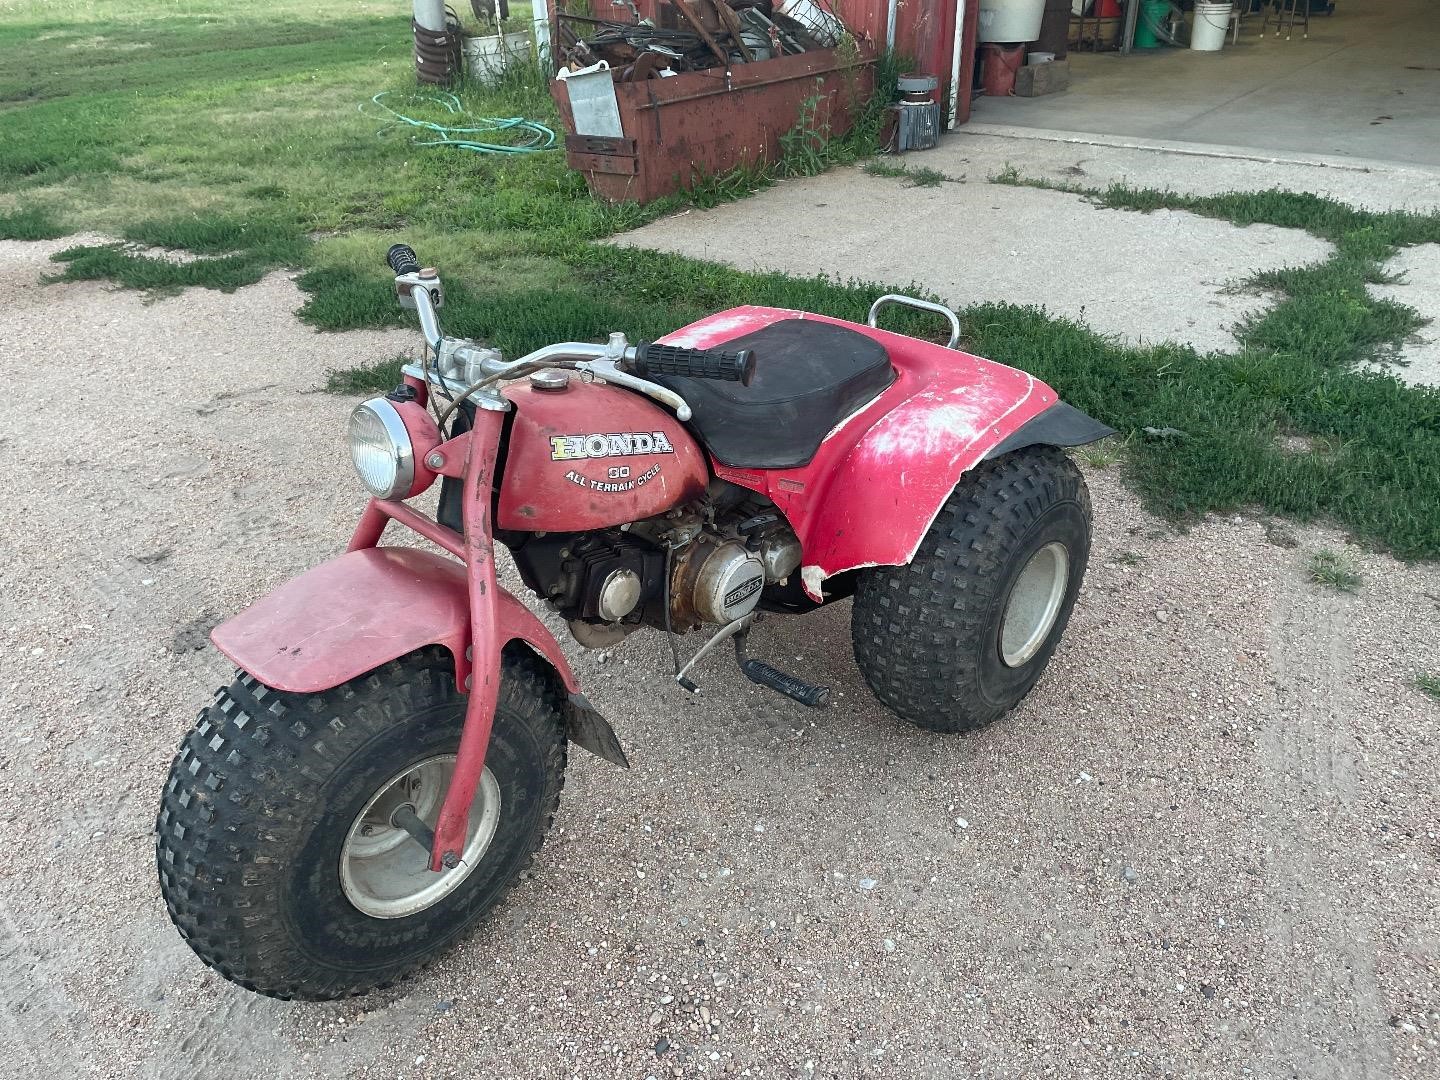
694	35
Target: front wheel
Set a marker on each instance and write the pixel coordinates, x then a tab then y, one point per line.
281	858
956	638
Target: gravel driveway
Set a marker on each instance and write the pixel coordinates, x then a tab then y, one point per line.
1205	846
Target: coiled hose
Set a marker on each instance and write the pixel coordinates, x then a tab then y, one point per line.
530	137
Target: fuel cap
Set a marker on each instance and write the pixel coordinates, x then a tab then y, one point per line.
550	380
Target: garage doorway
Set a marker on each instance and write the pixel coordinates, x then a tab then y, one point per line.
1364	84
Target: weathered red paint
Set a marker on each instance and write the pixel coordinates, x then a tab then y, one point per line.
485	642
363	609
577	494
348	616
881	476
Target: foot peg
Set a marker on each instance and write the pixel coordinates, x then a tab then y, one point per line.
762	674
757	671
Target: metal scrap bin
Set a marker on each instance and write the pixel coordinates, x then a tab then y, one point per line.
664	135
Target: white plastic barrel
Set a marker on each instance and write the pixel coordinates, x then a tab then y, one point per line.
1010	20
1212	23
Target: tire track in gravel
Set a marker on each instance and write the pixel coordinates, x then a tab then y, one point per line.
36	1009
1311	778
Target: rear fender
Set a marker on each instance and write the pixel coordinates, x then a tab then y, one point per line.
882	475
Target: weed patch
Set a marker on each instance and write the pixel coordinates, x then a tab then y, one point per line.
1334	570
377	378
923	177
1429	685
886	168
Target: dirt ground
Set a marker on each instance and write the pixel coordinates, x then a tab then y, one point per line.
1206	846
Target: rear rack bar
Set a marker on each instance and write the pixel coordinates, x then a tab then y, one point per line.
922	305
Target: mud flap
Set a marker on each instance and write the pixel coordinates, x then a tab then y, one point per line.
1059	425
587	729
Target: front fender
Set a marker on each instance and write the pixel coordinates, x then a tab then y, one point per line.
363	609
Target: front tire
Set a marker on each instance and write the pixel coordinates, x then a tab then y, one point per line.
278	858
955	639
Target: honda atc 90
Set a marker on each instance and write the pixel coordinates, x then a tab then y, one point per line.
391	752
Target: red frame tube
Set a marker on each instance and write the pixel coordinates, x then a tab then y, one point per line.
479	555
482	685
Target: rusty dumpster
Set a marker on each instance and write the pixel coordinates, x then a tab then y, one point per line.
676	131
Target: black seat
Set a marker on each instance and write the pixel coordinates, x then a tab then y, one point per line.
809	375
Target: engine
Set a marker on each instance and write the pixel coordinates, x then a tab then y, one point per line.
722	552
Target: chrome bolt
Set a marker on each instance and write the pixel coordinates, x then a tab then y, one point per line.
367	830
468	681
435	461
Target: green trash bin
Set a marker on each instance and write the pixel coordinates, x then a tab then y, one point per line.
1153	14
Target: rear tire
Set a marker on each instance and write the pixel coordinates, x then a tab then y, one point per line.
257	832
955	639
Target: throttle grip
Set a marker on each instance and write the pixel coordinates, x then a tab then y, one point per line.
403	260
655	359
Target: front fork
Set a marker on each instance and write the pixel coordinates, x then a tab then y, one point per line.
482	684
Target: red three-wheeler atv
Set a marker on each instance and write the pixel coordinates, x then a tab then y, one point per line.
391	752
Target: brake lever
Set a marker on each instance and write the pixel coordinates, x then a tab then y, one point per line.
609	371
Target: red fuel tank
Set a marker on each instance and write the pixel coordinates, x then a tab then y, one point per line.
592	456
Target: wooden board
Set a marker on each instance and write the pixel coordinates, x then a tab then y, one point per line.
1033	80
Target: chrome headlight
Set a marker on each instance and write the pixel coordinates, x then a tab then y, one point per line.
381	448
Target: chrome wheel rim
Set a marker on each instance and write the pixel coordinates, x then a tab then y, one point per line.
384	871
1034	604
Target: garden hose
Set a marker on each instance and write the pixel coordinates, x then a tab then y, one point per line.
532	137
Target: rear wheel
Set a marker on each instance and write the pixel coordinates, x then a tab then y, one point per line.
958	637
281	856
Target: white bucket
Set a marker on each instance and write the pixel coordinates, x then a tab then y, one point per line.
487	58
823	27
1010	20
1212	23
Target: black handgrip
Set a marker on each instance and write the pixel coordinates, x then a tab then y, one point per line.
652	359
757	671
402	260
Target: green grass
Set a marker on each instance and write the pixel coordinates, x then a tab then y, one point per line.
234	132
1376	460
29	223
377	378
1334	569
1428	684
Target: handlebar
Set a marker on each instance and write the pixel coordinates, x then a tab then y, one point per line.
461	366
653	359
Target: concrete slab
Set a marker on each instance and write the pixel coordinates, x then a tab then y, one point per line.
1418	269
1142	277
1366	83
1086	159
